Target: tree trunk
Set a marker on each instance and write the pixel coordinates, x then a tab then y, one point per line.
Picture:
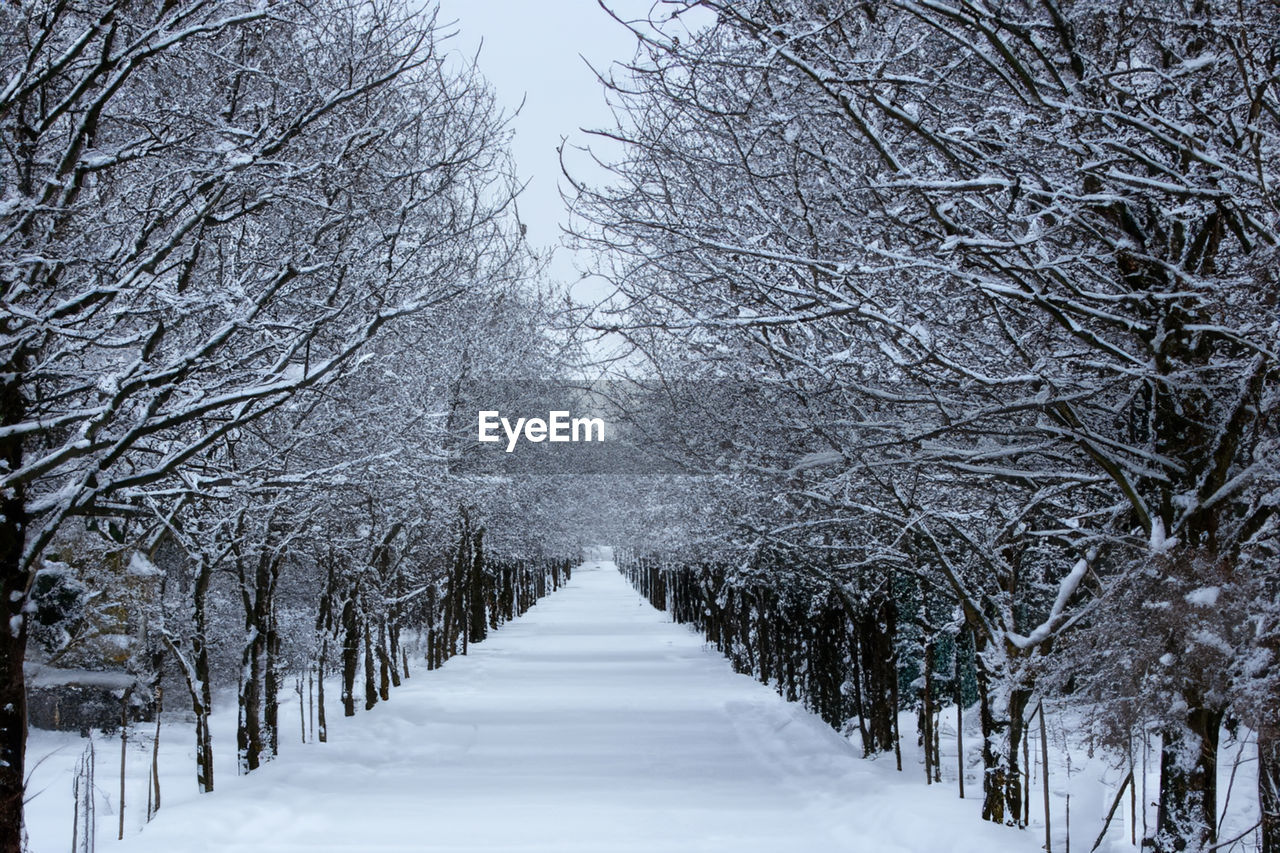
926	714
271	685
13	633
124	757
959	728
322	735
1188	813
154	795
13	710
1269	789
249	730
202	690
350	655
384	663
432	640
478	618
396	653
455	615
370	685
258	731
1001	713
875	648
204	745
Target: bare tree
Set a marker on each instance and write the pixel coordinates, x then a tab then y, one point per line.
208	207
1029	251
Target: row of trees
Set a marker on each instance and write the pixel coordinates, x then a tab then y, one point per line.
980	297
254	256
812	640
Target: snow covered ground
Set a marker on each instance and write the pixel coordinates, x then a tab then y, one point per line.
591	724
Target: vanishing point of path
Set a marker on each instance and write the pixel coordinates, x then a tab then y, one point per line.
591	725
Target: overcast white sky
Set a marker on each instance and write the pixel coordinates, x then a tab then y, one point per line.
534	50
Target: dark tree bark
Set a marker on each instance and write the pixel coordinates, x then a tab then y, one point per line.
13	711
1002	733
384	663
396	653
432	633
249	730
1269	789
323	733
876	640
455	610
1188	815
13	634
202	704
271	683
258	730
477	593
350	653
370	685
926	714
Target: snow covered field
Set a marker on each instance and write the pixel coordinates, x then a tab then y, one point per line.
591	724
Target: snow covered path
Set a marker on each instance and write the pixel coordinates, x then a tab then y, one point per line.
591	724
